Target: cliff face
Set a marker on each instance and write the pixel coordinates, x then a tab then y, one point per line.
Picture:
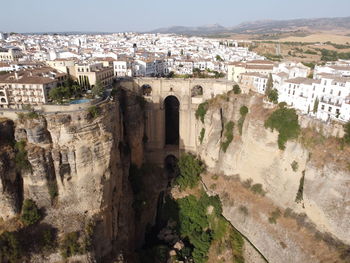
78	175
254	158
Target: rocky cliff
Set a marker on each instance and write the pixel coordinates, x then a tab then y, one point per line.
77	174
292	204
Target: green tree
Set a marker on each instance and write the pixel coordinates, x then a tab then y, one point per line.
10	249
317	101
97	90
190	168
269	84
273	96
218	58
236	89
285	121
30	212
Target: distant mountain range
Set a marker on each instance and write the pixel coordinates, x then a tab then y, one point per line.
263	27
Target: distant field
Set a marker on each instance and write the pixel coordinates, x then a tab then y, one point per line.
338	39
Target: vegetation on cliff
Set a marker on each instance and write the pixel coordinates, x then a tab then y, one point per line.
243	111
202	110
228	134
190	168
21	159
285	121
201	135
30	213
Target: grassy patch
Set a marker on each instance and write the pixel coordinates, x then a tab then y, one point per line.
258	189
201	135
228	134
201	111
285	121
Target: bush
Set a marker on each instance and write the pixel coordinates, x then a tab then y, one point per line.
236	89
258	189
30	213
10	249
201	111
285	121
94	112
274	216
244	210
21	158
294	166
201	136
190	169
228	135
70	245
243	110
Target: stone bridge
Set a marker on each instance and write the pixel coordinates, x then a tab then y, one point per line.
170	112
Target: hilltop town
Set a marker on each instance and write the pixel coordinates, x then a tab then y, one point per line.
33	65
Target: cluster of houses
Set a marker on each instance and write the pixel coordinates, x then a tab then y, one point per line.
324	95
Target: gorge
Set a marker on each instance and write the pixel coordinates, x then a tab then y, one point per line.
107	174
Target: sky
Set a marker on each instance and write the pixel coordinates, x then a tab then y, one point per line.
142	15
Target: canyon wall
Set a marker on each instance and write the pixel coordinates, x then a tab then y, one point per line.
313	229
78	174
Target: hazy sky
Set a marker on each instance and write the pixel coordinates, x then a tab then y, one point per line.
141	15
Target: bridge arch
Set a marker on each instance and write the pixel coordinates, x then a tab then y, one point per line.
172	120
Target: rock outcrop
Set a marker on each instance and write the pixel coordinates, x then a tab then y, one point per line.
78	175
254	158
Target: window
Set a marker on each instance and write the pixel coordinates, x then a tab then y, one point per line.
339	93
329	109
322	107
331	91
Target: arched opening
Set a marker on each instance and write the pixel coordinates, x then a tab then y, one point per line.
196	91
3	100
172	106
2	93
170	166
146	90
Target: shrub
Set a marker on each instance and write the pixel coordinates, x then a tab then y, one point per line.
243	111
94	112
236	89
300	192
30	213
70	245
228	135
295	166
21	158
201	136
243	209
282	105
285	121
190	169
274	216
10	249
201	111
258	189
